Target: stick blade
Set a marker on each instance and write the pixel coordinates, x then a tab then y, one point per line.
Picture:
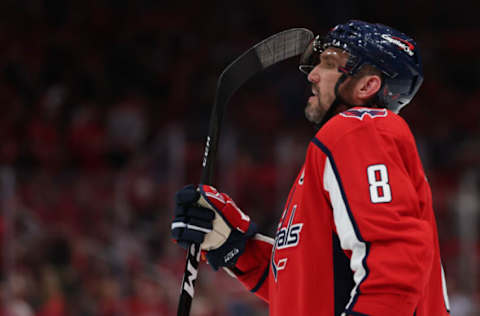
270	51
283	45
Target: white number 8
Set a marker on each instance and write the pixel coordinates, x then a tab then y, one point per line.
379	188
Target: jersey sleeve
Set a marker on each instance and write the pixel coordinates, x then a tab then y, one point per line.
377	216
253	266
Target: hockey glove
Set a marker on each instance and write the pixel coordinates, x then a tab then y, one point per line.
213	220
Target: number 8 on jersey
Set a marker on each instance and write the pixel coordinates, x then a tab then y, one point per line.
379	188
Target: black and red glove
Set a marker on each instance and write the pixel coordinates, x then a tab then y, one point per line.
213	220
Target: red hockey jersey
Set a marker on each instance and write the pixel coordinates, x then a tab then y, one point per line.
358	234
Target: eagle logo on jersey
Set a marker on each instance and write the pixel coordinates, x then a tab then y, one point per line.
361	113
286	237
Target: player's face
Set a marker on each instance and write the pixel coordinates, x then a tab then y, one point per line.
323	79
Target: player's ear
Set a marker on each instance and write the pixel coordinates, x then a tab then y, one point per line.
368	86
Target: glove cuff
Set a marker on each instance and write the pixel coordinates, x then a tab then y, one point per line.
228	254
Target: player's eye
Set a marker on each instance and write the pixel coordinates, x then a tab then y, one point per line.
327	63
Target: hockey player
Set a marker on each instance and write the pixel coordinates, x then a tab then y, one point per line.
357	235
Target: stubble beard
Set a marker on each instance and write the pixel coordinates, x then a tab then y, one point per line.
314	112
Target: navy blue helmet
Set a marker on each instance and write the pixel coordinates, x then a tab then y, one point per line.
393	53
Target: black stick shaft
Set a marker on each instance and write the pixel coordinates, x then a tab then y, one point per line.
188	282
193	255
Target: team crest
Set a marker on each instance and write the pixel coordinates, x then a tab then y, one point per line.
361	113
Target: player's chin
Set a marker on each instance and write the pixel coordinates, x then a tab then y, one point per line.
313	112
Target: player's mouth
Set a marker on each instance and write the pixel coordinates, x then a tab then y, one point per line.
314	94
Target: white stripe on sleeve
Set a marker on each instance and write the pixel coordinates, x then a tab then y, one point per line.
345	228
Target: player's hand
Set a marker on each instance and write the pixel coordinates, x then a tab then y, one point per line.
191	221
212	219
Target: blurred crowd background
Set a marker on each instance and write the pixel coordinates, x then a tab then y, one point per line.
104	113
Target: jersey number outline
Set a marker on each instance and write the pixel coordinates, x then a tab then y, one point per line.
380	191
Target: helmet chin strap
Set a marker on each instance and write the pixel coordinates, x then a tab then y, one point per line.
332	110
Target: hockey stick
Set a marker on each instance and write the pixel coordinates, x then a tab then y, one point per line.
270	51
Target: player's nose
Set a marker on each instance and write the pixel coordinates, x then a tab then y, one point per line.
313	76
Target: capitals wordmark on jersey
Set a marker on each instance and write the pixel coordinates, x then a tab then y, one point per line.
288	236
